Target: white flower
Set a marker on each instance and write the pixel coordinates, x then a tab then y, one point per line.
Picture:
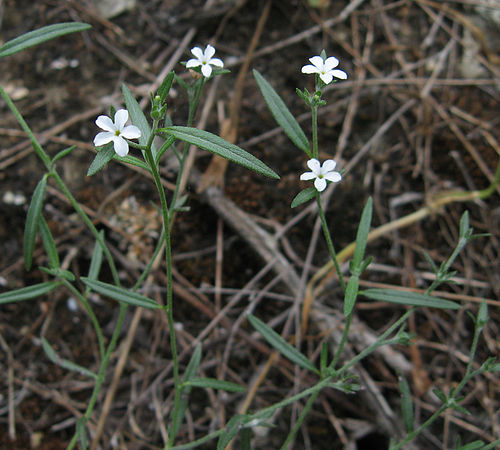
116	132
320	173
325	68
205	60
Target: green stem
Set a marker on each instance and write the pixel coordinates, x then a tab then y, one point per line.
90	312
101	376
340	348
169	305
329	241
422	427
86	220
300	420
378	343
314	110
193	106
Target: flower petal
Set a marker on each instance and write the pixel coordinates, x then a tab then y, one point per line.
328	165
317	61
309	69
209	52
103	138
216	62
198	52
320	184
330	63
335	177
314	165
121	146
121	117
206	70
131	132
326	77
308	176
193	63
339	74
105	123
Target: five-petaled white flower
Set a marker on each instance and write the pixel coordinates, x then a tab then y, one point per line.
205	60
116	132
325	68
320	173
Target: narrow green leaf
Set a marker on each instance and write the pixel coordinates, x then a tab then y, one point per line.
408	298
304	196
282	115
63	153
64	363
41	35
212	383
221	147
132	160
33	221
406	404
137	117
96	260
475	445
49	244
27	293
120	294
165	86
190	373
102	157
59	273
351	294
281	345
362	236
232	428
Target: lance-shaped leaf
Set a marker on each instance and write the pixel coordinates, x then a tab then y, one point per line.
408	298
282	115
27	293
66	364
49	244
41	35
281	345
215	144
304	196
212	383
33	221
120	294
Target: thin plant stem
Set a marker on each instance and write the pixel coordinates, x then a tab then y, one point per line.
329	241
169	305
300	420
343	340
90	312
314	115
101	376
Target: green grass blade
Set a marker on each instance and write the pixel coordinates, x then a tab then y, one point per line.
281	345
41	35
282	115
215	144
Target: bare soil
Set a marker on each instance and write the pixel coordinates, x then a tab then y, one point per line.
418	116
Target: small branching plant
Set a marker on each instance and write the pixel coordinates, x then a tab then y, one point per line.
153	137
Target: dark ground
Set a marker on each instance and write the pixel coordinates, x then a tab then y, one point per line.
436	59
